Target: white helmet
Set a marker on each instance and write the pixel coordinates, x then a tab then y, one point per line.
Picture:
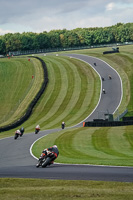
55	146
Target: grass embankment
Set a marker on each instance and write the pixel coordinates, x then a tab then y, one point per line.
26	189
72	93
100	146
17	86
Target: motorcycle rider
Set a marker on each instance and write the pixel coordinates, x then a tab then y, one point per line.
18	132
37	129
103	91
110	77
21	131
63	125
54	150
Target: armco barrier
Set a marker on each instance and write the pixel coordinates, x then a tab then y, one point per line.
32	104
107	52
127	118
107	123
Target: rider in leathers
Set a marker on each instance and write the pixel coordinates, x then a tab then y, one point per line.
54	150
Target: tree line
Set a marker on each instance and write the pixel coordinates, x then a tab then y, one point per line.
78	37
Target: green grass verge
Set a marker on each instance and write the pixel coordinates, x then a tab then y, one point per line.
98	146
17	86
37	189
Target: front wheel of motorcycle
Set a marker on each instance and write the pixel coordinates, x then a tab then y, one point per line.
46	162
37	165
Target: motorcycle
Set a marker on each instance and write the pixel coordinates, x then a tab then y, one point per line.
110	77
16	135
63	125
45	159
104	91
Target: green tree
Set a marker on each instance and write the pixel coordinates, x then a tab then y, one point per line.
54	39
43	40
2	46
28	41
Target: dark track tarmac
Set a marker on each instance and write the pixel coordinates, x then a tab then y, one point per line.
16	160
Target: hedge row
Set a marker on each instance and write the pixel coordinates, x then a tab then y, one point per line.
32	104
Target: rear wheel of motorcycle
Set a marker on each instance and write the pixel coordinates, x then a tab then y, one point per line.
16	136
47	161
36	131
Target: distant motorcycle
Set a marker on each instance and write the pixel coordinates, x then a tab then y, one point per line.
45	159
37	129
110	77
63	125
104	91
17	134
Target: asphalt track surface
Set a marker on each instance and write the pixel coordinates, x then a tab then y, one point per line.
16	160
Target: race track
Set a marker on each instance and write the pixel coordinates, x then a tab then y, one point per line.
15	157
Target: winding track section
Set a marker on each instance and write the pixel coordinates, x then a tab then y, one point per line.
109	102
15	157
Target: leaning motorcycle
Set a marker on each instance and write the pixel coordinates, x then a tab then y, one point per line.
45	159
16	136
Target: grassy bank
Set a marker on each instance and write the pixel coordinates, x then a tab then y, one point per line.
18	87
26	189
98	146
71	95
